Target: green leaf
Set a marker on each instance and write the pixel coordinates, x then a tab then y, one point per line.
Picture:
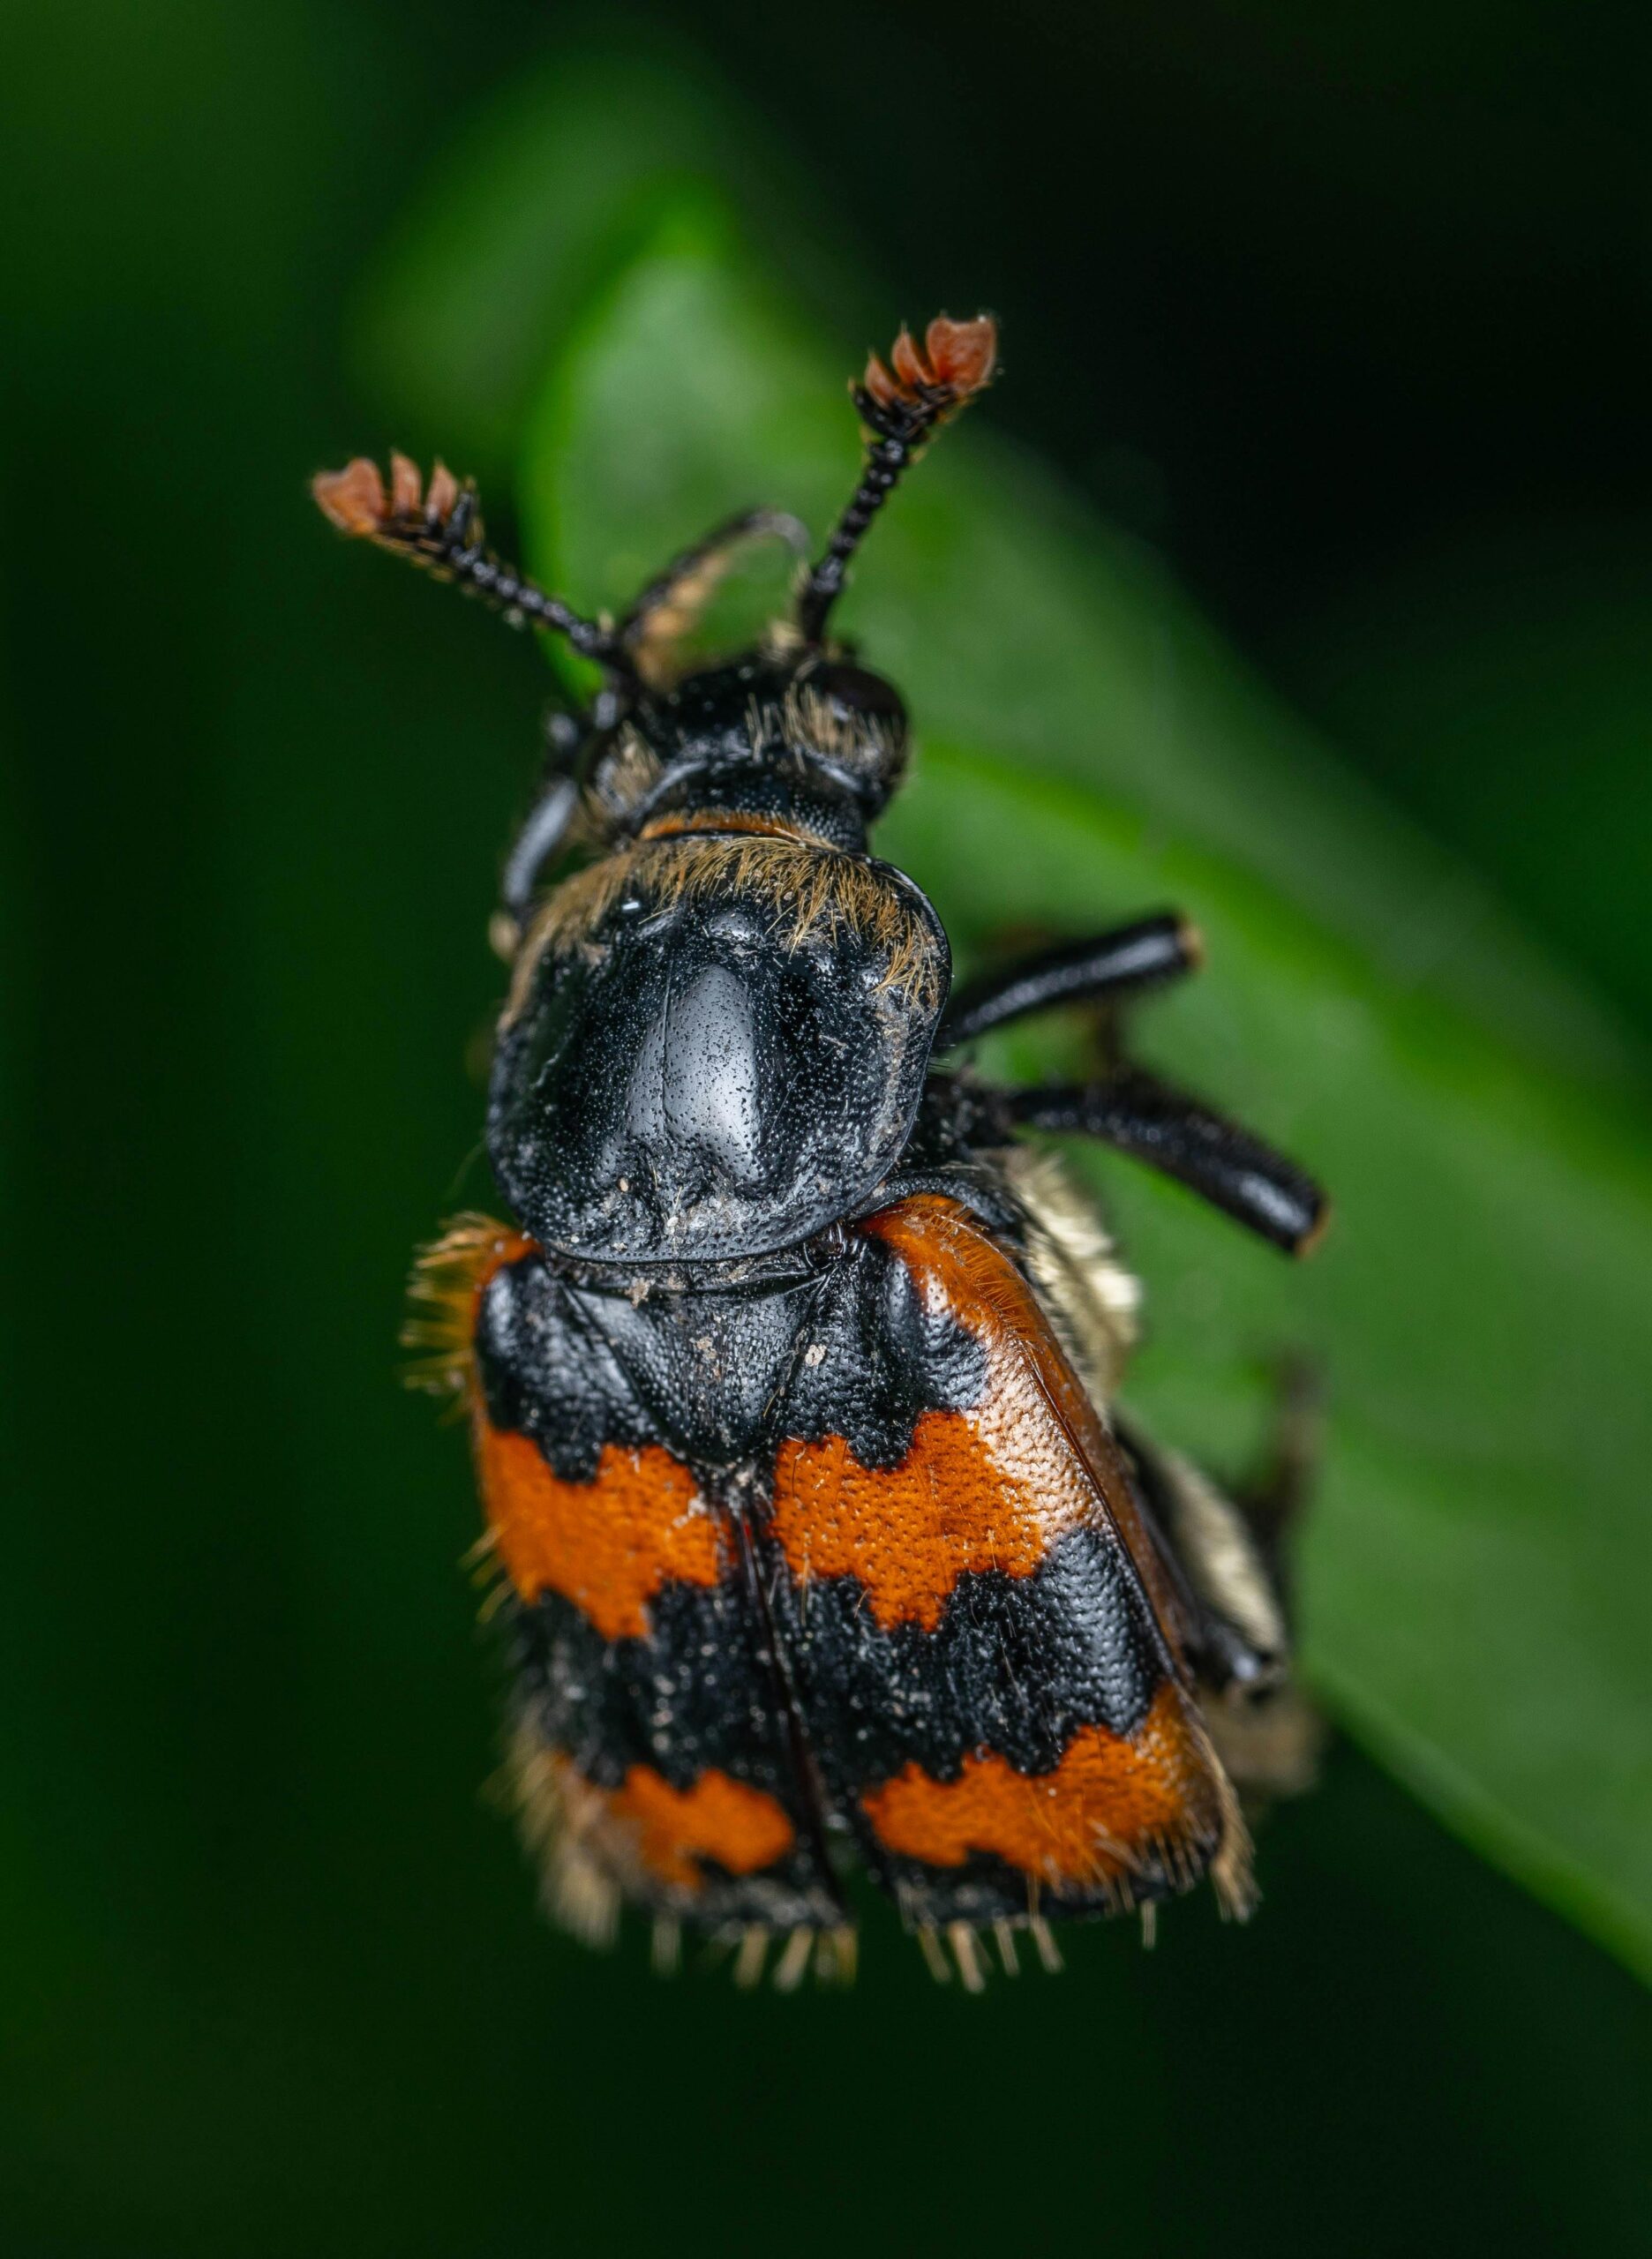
1505	682
544	196
1088	751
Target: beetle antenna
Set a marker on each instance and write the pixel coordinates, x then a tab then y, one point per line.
442	531
901	406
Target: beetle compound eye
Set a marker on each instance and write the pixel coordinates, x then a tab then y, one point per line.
860	700
858	721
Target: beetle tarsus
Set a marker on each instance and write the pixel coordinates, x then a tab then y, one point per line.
1153	1122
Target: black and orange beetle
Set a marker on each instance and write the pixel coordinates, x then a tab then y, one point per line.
791	1377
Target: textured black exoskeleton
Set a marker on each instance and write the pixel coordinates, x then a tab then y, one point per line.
790	1376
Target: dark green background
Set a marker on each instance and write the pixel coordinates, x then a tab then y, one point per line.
1344	309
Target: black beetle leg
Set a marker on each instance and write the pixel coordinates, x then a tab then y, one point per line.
531	849
1236	1626
1273	1501
1106	966
568	739
1171	1132
669	607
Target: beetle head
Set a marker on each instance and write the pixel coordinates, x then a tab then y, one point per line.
802	739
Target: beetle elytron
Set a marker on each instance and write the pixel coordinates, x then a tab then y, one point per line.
789	1377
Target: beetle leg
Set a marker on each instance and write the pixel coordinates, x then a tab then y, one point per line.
1236	1618
1164	1127
669	608
1225	1547
545	826
1120	963
1274	1499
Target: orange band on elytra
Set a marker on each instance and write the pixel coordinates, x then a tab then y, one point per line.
607	1545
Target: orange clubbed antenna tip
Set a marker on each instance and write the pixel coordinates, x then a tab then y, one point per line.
901	401
355	500
957	360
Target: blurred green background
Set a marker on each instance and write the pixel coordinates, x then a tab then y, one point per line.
1328	329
